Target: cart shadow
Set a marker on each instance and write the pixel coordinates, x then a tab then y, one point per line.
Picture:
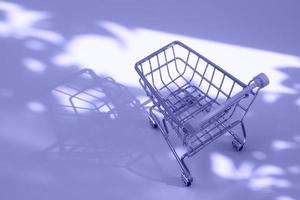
99	120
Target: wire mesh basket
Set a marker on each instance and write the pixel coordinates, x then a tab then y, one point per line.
197	98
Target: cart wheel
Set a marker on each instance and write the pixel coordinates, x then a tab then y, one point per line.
237	146
208	108
186	181
152	123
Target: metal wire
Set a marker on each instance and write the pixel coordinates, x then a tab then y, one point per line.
185	91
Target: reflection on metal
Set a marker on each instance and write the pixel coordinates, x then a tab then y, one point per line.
200	100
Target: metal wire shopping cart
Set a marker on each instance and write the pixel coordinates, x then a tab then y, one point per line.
197	98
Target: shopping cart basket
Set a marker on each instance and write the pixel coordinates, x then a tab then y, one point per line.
198	99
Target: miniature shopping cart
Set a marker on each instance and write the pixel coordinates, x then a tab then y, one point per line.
197	98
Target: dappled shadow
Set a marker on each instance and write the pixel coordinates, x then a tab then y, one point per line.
49	153
259	25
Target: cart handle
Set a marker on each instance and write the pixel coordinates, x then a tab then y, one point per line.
260	81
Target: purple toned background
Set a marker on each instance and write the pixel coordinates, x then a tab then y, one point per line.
118	156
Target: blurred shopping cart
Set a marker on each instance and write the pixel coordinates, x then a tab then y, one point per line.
197	98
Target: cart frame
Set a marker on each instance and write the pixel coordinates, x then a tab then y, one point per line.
199	113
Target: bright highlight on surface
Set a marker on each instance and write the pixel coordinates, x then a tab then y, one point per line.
228	169
294	169
259	155
21	23
266	182
34	65
256	177
267	170
35	106
280	145
116	56
284	198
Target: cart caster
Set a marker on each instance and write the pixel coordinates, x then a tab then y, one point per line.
237	146
208	107
186	180
152	123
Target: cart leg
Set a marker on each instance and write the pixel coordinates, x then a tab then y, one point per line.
152	118
186	176
239	143
152	122
185	173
